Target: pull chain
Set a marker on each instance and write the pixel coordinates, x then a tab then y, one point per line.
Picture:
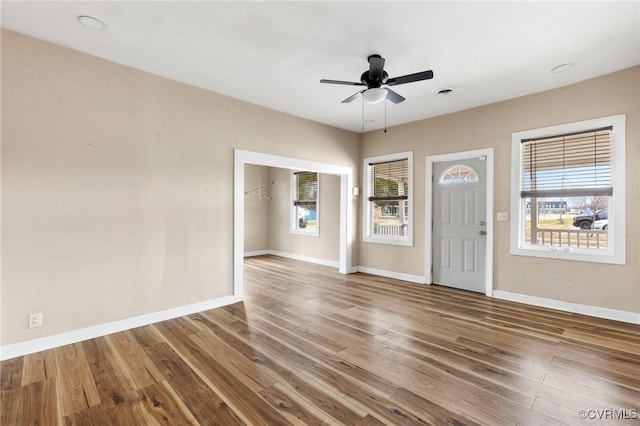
385	115
362	113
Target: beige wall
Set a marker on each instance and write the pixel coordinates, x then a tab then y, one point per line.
117	186
491	126
257	208
326	245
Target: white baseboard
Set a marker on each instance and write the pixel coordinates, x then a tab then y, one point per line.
594	311
256	253
389	274
330	263
57	340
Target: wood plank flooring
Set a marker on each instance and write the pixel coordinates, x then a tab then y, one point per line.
309	346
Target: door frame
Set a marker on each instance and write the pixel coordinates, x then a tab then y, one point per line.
488	154
346	234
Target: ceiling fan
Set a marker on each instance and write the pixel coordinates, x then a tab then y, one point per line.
375	78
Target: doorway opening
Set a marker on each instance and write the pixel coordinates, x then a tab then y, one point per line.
346	234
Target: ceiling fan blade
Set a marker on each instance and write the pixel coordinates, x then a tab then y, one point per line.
410	78
394	97
353	97
347	83
376	67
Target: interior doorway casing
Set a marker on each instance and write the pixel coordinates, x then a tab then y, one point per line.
480	153
346	234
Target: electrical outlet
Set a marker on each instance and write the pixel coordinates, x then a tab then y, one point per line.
35	320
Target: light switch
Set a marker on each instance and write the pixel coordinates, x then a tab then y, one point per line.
503	216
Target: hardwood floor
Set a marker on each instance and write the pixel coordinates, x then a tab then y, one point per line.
311	346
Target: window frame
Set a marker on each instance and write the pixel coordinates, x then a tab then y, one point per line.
615	252
315	232
367	223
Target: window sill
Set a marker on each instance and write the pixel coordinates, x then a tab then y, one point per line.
314	233
572	254
388	240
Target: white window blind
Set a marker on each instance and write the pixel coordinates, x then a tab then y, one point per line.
306	189
389	180
569	165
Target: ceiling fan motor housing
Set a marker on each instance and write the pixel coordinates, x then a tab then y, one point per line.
365	78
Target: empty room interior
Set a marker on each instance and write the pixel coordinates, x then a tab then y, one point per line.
338	213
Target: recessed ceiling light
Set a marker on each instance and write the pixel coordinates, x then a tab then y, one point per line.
562	68
91	22
444	91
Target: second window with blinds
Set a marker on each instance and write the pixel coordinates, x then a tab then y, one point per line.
568	191
304	206
388	198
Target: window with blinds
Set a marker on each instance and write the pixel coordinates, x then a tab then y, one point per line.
389	180
572	165
305	201
306	188
569	183
388	199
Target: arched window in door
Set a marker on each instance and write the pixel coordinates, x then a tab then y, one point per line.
458	173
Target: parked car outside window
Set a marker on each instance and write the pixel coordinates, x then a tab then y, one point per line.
601	224
586	221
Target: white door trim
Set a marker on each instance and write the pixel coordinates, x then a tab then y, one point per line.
488	154
346	236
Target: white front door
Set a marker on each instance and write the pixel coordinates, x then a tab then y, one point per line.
459	224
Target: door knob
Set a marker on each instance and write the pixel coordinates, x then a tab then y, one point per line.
483	232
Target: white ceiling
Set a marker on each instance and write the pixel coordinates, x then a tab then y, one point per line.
274	53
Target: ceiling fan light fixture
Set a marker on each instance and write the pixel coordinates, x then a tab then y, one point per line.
375	95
